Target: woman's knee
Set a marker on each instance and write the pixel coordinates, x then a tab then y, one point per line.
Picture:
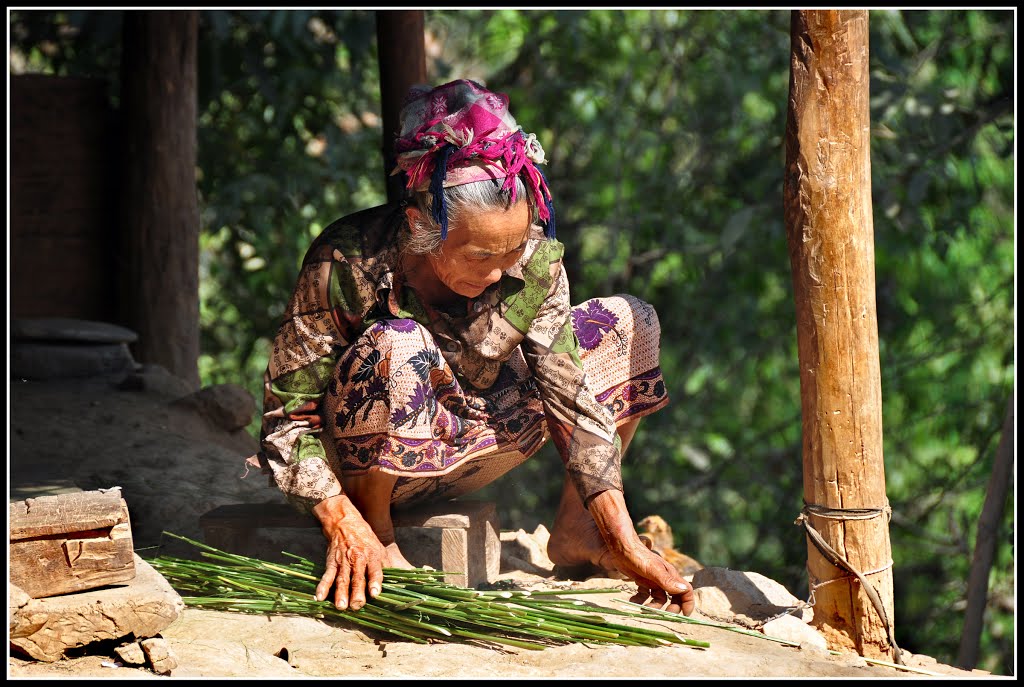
384	362
632	323
388	346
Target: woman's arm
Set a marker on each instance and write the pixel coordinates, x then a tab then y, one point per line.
584	433
322	318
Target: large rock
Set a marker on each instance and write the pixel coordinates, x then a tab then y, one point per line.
745	598
521	550
228	406
756	602
157	379
794	630
46	628
205	643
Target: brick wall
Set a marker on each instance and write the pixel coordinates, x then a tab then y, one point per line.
63	203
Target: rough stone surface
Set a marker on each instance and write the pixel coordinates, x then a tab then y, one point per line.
747	598
524	551
157	379
795	630
172	465
159	655
131	653
228	406
213	658
17	599
46	628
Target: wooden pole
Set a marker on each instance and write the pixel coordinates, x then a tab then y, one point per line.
158	262
985	543
403	63
827	203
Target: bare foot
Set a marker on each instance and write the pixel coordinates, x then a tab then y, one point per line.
395	557
575	539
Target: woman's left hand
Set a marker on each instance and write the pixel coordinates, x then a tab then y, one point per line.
659	584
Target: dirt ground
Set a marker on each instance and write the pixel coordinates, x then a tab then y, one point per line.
173	464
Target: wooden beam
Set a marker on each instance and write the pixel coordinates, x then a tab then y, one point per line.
403	63
159	258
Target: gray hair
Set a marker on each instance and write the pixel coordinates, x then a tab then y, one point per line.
478	196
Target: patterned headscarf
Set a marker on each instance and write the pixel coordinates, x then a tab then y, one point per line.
461	132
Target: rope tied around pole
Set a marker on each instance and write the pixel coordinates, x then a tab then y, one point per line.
833	557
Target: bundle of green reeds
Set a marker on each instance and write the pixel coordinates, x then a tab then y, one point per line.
416	605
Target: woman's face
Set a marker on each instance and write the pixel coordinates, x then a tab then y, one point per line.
480	247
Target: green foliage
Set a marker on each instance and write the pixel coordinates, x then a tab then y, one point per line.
665	132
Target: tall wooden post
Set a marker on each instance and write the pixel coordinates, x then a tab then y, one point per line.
158	263
827	201
403	63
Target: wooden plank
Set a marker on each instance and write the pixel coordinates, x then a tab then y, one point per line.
51	515
484	563
455	556
77	543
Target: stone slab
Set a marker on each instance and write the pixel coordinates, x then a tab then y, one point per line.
46	628
40	360
70	329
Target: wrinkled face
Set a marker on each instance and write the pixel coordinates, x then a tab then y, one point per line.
480	247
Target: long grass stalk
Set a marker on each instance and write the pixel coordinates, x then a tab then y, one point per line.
694	621
417	605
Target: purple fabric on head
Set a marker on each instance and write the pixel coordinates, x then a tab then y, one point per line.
473	127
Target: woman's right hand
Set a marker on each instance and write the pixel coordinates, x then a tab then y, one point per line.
355	556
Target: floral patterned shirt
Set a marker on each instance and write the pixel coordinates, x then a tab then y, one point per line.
349	280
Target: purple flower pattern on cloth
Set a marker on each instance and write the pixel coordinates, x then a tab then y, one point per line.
592	323
400	325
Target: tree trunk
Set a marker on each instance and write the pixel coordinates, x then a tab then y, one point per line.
403	63
985	544
159	256
827	202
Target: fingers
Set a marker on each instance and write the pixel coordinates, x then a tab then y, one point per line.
353	575
658	598
652	596
341	585
376	580
674	606
327	580
686	601
357	581
642	595
659	585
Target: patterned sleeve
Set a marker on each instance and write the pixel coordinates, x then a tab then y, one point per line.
318	324
582	429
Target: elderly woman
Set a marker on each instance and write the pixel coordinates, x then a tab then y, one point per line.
429	347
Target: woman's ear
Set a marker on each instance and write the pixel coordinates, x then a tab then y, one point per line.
414	217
